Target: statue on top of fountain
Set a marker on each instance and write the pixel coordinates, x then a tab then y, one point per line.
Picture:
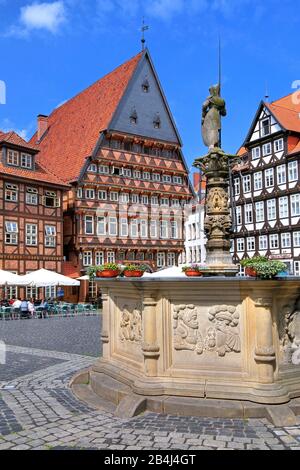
212	110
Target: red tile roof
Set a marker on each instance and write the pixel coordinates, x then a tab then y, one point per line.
287	111
295	149
38	174
68	269
74	127
12	137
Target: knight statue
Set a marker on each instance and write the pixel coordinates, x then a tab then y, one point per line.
212	110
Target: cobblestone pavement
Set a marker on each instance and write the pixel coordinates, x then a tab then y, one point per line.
38	411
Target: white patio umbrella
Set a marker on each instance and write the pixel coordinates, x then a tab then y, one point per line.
84	278
173	271
45	278
10	279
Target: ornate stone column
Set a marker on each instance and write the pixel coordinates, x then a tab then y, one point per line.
105	323
150	348
264	349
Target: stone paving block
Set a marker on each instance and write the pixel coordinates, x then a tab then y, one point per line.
21	447
211	443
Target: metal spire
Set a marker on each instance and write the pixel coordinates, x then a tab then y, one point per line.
220	83
143	29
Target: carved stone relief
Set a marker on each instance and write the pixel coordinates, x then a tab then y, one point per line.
289	333
222	336
130	324
217	201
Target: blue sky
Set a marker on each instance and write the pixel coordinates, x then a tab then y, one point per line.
51	50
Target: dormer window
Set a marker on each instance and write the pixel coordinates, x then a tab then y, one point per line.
156	121
133	117
145	86
26	160
92	168
13	158
265	127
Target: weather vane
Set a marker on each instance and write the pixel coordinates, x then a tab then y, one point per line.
143	29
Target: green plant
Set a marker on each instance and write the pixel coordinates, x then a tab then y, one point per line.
92	271
108	267
193	267
264	267
135	267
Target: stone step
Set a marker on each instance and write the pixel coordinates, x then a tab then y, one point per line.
84	393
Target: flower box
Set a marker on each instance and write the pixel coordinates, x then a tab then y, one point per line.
107	273
250	272
193	273
136	273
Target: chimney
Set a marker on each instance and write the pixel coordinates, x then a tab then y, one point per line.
42	125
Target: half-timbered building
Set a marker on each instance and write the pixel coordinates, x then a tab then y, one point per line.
117	145
266	186
31	211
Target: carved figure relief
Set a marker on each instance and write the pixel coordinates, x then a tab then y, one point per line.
289	333
217	200
131	324
222	336
217	225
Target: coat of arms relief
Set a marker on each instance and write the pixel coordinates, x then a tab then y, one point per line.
289	333
130	324
221	336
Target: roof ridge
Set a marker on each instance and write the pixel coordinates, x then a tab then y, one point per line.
285	107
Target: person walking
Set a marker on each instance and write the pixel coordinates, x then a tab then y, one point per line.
24	309
44	306
31	308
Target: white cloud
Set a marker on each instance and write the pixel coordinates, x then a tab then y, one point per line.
43	16
6	125
165	9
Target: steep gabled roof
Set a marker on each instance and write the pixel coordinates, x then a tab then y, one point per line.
286	111
74	128
12	137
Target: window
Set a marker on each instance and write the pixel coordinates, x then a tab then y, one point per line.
171	259
177	179
102	195
11	192
104	169
295	205
281	174
90	193
293	171
87	258
146	175
296	239
271	209
127	172
283	207
89	225
274	241
156	122
32	196
255	153
247	184
11	233
155	176
113	228
101	226
285	240
124	198
50	199
13	158
251	243
267	149
259	210
296	268
239	215
93	168
144	228
135	198
269	177
115	144
265	127
278	145
50	235
123	227
26	160
50	292
263	242
164	229
133	117
248	213
111	258
154	200
174	229
175	202
257	180
145	200
31	234
240	244
237	189
145	86
164	201
137	174
134	228
153	229
167	179
114	196
161	260
79	193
